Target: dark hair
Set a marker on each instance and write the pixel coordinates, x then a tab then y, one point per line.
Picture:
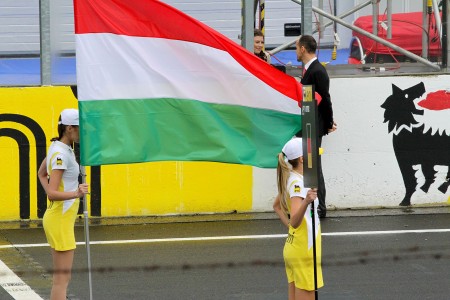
308	42
262	55
258	32
61	130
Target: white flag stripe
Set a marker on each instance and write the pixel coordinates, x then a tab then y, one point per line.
123	67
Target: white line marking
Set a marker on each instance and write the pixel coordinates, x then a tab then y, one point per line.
386	232
12	284
232	237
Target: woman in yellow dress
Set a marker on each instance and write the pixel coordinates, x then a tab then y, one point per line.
293	207
58	175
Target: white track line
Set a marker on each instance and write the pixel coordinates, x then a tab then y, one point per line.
14	286
234	237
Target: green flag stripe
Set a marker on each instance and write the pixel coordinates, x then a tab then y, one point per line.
142	130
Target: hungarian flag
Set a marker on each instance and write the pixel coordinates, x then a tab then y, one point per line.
157	85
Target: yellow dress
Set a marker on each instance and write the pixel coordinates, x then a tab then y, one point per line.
59	218
298	249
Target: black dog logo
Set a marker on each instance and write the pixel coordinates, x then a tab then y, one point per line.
415	142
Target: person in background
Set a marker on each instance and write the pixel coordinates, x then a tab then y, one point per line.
58	175
258	46
294	210
314	73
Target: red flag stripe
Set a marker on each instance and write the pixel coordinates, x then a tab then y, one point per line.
155	19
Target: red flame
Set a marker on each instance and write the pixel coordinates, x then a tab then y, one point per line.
439	100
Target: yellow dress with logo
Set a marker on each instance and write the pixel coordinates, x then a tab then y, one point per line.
59	218
298	249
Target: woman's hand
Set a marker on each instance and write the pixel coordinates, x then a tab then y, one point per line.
311	195
83	189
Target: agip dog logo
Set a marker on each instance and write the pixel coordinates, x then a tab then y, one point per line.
421	135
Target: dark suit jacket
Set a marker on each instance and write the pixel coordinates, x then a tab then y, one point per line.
317	75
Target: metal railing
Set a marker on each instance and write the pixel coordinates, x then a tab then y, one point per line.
374	35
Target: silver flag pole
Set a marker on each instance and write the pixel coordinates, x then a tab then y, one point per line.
86	232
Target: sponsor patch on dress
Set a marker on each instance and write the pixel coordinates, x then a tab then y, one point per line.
296	188
58	161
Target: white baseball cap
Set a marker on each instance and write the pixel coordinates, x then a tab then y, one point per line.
69	117
293	148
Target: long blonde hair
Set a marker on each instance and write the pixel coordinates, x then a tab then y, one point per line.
283	172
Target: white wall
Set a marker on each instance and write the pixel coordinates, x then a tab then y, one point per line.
359	163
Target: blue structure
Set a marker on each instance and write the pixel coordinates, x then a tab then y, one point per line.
26	71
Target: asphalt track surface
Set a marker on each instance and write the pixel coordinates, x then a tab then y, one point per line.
398	256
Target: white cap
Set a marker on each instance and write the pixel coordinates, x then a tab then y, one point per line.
293	149
69	117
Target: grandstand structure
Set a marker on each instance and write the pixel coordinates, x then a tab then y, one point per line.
44	30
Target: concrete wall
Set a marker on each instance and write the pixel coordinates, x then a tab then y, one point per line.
360	165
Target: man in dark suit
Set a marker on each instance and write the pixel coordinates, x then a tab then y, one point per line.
314	73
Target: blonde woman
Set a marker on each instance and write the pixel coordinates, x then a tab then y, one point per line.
293	207
58	175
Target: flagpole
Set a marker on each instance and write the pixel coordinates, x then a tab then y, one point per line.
313	216
310	159
86	232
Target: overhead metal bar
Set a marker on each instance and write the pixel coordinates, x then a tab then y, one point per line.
348	13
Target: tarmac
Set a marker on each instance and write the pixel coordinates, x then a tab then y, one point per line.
371	253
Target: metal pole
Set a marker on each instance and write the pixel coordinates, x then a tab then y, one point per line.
45	49
262	16
389	19
86	232
321	28
437	16
335	14
313	217
248	21
310	159
424	32
445	31
379	40
307	17
289	44
375	17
